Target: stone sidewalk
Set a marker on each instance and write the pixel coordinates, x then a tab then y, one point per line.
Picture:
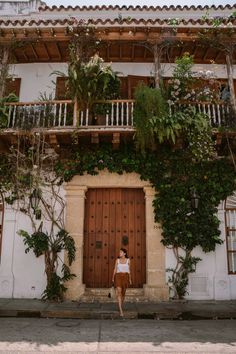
171	310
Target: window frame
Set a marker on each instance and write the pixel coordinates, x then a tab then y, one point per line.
1	223
231	208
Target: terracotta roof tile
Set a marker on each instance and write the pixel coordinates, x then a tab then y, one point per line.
136	8
118	22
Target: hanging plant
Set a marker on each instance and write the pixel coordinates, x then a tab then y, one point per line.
152	119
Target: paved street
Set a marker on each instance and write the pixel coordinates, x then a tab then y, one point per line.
25	335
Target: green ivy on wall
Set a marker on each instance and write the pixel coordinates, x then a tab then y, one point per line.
173	174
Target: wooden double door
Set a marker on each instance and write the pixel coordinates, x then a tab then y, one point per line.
114	218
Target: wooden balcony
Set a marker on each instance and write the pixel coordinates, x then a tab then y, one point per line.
110	120
116	114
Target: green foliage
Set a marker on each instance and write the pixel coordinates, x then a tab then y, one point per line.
159	115
179	277
183	69
90	82
4	109
38	242
172	174
50	246
55	288
152	118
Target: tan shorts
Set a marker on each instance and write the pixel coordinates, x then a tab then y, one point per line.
122	281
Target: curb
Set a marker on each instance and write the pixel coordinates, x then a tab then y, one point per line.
109	315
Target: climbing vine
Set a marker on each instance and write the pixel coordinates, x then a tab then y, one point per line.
29	183
172	174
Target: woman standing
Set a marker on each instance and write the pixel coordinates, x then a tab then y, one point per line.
121	277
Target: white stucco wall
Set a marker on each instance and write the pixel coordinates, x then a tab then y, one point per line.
36	77
211	279
21	275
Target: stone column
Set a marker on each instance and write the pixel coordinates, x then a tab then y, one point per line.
221	277
75	198
155	288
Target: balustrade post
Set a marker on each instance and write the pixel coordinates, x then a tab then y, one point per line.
75	113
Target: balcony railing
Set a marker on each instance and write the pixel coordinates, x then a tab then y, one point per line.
218	112
110	114
62	114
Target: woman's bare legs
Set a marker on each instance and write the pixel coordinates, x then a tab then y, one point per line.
119	298
123	296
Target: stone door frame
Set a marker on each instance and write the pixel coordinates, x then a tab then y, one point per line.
155	287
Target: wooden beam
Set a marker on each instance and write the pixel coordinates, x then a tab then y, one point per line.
13	33
13	140
217	55
25	55
205	54
58	50
52	31
38	32
116	141
94	138
195	50
46	50
145	53
35	54
132	54
4	145
25	32
108	52
53	140
182	50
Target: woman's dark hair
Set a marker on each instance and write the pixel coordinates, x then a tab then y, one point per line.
125	252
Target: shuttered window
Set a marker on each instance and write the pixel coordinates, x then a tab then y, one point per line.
13	86
61	91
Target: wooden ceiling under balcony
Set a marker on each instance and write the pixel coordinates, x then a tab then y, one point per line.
118	45
57	51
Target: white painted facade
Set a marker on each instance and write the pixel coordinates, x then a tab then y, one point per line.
37	78
22	275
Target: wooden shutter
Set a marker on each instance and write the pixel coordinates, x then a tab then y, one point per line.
134	81
13	86
124	87
61	90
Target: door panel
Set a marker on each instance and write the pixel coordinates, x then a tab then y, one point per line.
114	218
134	81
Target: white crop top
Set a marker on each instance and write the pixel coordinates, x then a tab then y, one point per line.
123	267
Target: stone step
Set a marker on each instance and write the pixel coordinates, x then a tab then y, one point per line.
105	291
101	295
